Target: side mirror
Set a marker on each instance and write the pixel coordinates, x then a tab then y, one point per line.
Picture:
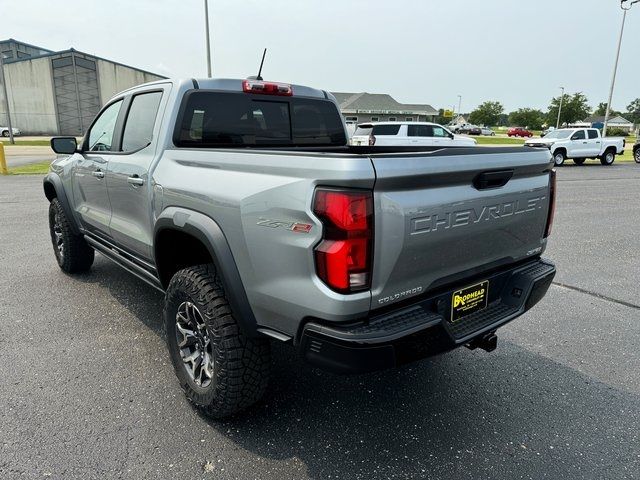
64	145
451	135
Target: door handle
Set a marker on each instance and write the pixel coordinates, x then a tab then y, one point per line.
584	143
135	180
98	174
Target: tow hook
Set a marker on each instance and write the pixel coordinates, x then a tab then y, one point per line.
487	342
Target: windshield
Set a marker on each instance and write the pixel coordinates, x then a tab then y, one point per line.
559	134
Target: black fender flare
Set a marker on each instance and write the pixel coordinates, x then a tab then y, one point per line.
209	233
53	188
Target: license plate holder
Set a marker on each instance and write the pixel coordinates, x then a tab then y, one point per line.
469	300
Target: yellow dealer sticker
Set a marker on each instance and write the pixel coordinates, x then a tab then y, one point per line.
469	300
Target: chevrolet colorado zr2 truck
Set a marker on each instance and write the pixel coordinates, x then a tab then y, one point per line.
242	201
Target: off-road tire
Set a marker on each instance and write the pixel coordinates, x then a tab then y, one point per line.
608	158
241	364
559	158
579	161
75	255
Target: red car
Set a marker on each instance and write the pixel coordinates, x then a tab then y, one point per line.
519	132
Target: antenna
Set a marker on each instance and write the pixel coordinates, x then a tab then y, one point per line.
261	63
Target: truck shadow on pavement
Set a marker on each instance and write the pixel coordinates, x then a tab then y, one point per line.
508	414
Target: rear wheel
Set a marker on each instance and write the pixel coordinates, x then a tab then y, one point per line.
559	158
5	133
220	369
636	155
579	161
608	158
72	252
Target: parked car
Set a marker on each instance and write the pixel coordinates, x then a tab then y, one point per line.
242	202
470	130
580	144
519	132
636	151
4	131
408	134
487	132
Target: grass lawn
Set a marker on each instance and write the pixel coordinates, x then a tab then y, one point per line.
31	169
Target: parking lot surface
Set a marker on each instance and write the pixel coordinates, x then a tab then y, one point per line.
87	389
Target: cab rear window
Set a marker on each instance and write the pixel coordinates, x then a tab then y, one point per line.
230	119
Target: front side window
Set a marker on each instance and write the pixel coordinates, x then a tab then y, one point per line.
138	129
101	133
579	135
440	132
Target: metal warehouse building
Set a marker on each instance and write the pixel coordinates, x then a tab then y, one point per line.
59	93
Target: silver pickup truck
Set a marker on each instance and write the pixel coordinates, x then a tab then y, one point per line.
241	200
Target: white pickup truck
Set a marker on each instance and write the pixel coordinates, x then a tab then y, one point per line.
579	144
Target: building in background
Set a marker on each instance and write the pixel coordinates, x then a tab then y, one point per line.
379	107
615	122
59	93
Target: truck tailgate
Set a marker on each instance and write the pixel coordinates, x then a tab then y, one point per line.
446	216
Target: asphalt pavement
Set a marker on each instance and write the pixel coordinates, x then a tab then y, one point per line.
87	389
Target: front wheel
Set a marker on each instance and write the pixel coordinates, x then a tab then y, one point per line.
559	158
636	155
608	158
72	251
5	133
220	369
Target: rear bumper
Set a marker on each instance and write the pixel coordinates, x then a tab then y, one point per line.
422	329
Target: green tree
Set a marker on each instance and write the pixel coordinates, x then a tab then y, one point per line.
487	114
574	108
633	111
527	117
601	110
441	119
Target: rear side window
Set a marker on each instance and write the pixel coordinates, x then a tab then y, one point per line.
592	133
382	130
211	119
420	131
138	130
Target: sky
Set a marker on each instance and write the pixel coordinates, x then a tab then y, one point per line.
419	51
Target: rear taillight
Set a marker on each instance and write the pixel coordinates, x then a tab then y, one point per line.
267	88
552	202
372	140
344	256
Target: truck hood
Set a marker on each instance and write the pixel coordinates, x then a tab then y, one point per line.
541	142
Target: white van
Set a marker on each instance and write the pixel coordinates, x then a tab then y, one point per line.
408	134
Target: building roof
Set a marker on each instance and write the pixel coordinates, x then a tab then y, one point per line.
379	103
18	42
73	50
600	119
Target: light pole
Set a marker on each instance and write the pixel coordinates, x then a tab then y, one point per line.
560	109
206	20
625	5
459	104
6	99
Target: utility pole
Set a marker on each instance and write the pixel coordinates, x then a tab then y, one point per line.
6	99
560	109
615	66
459	104
206	20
